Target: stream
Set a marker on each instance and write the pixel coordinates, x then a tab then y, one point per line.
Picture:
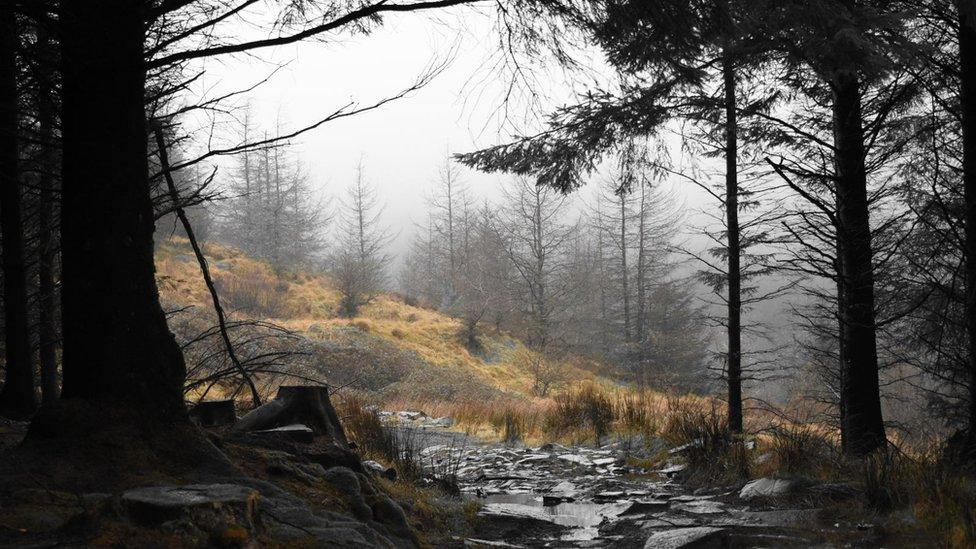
557	496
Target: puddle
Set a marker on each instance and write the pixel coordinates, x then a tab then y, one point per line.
584	518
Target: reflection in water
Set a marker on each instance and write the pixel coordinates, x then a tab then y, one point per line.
583	518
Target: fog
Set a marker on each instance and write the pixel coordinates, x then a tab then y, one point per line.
467	106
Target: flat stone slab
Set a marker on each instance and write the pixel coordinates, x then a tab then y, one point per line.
640	506
702	507
576	459
162	503
680	537
767	487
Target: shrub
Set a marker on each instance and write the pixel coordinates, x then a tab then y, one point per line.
638	412
512	432
709	448
800	449
397	447
254	291
586	406
363	326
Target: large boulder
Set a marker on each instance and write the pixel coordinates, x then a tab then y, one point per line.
768	488
206	506
372	507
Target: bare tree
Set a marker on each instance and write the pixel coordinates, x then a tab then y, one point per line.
360	260
271	212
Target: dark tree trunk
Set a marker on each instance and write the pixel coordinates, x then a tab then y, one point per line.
624	275
862	424
841	347
46	327
734	367
967	61
117	347
17	398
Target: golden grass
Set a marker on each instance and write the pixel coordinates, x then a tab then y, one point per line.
307	303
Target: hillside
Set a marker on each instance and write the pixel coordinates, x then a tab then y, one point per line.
393	352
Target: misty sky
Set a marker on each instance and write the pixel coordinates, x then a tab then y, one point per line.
402	144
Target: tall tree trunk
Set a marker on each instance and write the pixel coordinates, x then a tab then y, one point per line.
46	328
17	398
967	73
624	286
862	424
117	347
641	274
841	345
734	366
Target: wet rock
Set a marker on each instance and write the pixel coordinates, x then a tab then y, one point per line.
200	503
608	495
376	468
576	459
767	487
777	518
444	422
564	487
697	443
691	497
513	522
475	543
560	493
680	537
672	470
643	506
700	507
668	520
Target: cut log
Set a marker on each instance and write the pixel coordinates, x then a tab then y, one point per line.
210	413
297	404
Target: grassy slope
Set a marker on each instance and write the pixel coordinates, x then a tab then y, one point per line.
307	303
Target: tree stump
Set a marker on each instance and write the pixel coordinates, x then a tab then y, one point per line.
297	405
210	413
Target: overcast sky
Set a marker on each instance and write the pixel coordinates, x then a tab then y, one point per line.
404	143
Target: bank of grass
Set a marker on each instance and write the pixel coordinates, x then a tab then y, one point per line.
577	413
307	303
910	490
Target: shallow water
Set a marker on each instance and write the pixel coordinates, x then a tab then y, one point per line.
584	518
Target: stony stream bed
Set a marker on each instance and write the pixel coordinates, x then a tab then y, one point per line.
586	496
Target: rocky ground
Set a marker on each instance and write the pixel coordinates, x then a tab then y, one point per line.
291	485
586	496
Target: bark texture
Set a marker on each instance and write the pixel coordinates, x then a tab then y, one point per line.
117	346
